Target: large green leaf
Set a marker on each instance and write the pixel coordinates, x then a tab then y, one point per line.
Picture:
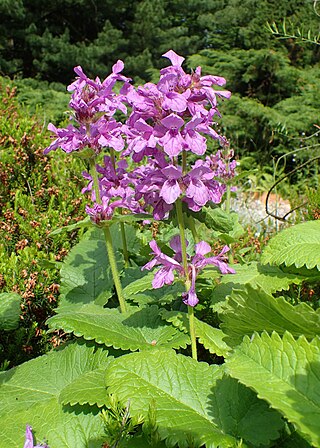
298	245
191	399
29	394
88	388
9	311
250	310
86	275
137	329
286	373
268	278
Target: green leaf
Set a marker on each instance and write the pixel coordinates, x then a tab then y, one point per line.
86	222
141	291
268	278
88	388
9	311
211	338
29	394
250	310
220	222
191	400
286	373
141	284
86	275
135	330
298	245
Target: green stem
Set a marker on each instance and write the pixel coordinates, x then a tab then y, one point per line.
192	333
122	228
228	207
95	179
183	241
114	268
108	238
193	229
228	198
187	279
124	245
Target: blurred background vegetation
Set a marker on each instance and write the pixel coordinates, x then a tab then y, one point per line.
270	119
274	81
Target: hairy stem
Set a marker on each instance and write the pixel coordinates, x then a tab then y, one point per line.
124	244
114	269
187	279
108	238
122	227
193	229
192	333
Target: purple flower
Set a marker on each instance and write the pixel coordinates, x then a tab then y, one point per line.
194	141
170	265
201	187
29	440
172	141
170	190
164	276
90	97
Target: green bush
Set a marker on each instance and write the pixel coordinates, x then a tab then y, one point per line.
35	196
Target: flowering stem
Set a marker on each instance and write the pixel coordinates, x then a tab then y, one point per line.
95	179
192	332
183	241
114	269
122	228
193	229
108	238
124	244
228	198
187	279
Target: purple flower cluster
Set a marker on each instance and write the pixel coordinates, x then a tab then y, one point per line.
115	190
157	153
93	103
169	265
167	121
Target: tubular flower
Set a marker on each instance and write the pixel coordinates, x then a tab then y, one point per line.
170	265
93	104
29	440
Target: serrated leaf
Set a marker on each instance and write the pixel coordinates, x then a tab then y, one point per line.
250	310
191	400
219	221
268	278
211	338
9	311
141	284
286	373
86	222
135	330
298	245
86	275
88	388
141	291
29	394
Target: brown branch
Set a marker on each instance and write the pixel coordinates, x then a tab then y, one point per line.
283	218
